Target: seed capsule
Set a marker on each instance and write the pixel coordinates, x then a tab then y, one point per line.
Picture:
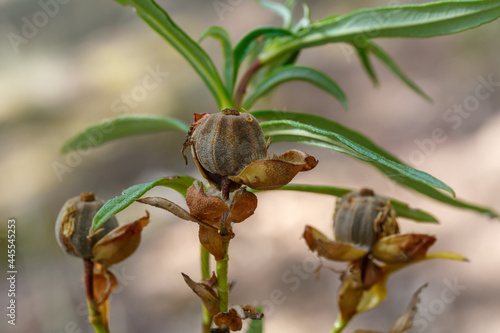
74	222
223	144
362	218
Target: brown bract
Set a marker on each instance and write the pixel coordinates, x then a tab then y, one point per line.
230	147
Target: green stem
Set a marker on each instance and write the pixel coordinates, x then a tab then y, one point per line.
95	318
222	282
339	324
205	274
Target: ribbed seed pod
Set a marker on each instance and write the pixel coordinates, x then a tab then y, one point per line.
74	222
225	143
363	217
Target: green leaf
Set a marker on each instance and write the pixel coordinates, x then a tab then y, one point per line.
421	20
290	127
367	64
309	138
402	209
283	11
160	21
292	72
227	53
256	326
122	127
247	43
387	60
115	205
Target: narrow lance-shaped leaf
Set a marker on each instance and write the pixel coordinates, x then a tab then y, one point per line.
402	209
289	135
386	59
121	127
370	156
160	21
291	73
420	20
227	53
367	64
128	196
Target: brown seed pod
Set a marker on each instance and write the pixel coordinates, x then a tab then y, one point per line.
362	218
223	144
74	222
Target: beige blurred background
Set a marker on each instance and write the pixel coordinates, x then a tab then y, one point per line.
73	71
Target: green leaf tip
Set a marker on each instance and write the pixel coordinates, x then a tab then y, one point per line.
121	127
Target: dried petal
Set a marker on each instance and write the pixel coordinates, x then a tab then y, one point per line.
402	248
119	243
330	249
243	205
270	174
212	241
230	318
206	293
405	321
204	207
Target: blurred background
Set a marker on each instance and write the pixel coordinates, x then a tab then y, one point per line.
81	60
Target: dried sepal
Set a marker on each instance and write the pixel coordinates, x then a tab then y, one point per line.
350	292
103	282
206	292
402	248
230	319
119	243
251	312
211	240
204	207
326	248
274	173
243	205
405	321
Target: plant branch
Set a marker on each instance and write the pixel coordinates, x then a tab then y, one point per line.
242	86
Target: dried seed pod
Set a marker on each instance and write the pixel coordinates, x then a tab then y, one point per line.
74	222
223	144
362	218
